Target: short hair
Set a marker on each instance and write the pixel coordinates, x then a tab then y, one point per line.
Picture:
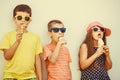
53	22
22	8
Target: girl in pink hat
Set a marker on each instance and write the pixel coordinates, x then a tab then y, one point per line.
94	55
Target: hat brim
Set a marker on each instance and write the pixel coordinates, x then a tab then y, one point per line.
96	23
107	31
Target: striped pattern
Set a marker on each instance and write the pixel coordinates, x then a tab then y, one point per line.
60	69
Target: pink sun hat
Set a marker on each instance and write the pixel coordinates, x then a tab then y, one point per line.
96	23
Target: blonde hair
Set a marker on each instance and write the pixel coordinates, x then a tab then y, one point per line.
52	22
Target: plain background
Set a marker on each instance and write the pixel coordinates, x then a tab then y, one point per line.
76	15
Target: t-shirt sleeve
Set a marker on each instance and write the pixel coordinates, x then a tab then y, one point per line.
47	52
5	43
38	46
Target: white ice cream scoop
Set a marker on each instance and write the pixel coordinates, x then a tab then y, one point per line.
60	38
100	42
22	27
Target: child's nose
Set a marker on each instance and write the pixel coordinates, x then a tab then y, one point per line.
23	20
59	32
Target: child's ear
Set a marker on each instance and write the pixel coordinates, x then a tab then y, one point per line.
30	20
13	18
50	34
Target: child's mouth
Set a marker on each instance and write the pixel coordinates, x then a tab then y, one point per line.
23	24
99	35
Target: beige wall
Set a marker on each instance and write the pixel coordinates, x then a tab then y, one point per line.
76	15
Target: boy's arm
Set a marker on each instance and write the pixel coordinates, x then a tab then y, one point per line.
70	73
9	53
38	66
43	67
55	54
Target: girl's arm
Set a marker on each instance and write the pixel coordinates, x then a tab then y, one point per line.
108	62
84	61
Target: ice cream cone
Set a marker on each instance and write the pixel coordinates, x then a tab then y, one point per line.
61	39
22	27
100	42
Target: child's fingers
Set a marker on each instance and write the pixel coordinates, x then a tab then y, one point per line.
19	35
106	48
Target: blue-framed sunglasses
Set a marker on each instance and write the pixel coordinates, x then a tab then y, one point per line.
56	30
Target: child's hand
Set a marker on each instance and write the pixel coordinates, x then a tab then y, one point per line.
106	50
62	41
100	50
19	36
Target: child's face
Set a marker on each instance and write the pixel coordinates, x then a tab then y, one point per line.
22	18
57	31
97	32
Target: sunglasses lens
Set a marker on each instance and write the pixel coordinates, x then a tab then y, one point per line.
19	17
63	30
95	29
27	18
55	30
102	29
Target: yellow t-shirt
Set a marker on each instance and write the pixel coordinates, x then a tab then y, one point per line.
21	66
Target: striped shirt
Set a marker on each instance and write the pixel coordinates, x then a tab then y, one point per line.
60	69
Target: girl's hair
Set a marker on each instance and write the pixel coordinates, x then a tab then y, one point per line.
23	8
52	22
90	44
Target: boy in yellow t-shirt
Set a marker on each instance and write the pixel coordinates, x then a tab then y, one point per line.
21	48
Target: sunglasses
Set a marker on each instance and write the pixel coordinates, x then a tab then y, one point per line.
56	30
96	29
27	18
